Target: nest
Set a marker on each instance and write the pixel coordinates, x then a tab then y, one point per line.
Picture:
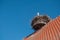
39	21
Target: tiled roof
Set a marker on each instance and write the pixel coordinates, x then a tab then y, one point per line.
50	31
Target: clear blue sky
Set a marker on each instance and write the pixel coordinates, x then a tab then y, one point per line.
16	16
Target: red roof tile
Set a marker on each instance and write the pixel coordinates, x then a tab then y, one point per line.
50	31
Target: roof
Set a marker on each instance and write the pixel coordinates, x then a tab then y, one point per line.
51	31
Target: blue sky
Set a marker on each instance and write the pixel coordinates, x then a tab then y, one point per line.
16	16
